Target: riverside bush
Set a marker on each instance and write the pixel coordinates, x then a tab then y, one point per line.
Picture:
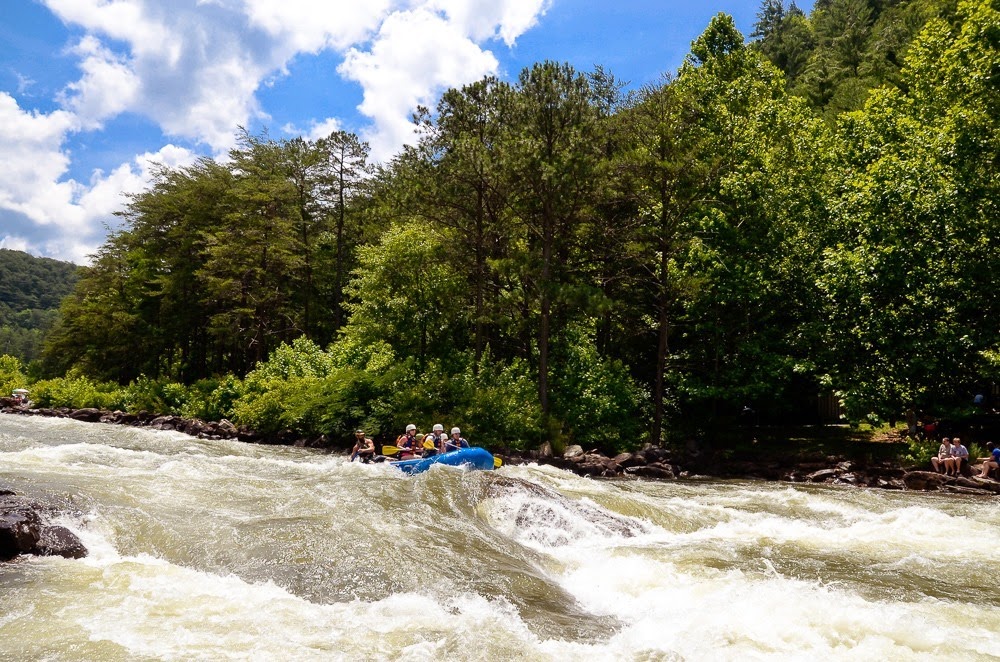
11	375
598	401
77	391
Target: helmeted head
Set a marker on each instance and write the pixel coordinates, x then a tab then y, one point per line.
411	428
438	427
456	431
359	431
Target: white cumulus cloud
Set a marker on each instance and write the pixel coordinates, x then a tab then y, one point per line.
415	55
194	68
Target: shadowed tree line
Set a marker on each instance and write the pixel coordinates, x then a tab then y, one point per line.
31	289
557	259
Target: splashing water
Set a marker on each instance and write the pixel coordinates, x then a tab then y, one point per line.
221	550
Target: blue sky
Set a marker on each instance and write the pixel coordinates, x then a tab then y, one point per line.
92	92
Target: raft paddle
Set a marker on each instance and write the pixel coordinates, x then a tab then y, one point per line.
392	450
497	462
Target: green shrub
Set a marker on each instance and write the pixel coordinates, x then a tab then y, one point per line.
11	375
596	398
498	406
78	392
920	453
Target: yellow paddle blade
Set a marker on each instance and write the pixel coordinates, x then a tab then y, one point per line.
390	450
497	462
428	444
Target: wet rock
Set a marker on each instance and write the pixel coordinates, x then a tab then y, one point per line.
654	470
925	480
626	460
20	529
592	464
847	479
166	423
821	475
573	451
89	415
59	541
651	454
23	531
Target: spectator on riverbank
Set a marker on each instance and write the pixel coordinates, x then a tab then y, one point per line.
960	456
943	462
991	462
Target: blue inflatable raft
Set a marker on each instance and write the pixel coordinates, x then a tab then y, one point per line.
474	458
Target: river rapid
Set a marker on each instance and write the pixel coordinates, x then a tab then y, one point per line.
218	550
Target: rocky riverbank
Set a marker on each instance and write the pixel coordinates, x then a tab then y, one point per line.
196	428
652	462
659	463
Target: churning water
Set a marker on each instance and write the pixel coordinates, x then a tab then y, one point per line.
217	550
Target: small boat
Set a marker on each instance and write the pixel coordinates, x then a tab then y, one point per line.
474	458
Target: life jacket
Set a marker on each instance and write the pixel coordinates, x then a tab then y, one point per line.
455	444
407	445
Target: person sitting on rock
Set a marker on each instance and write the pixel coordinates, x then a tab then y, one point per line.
959	456
455	442
364	447
991	462
943	462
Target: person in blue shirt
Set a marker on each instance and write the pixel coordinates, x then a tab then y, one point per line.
455	441
991	462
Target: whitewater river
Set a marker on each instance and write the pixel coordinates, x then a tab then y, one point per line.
217	550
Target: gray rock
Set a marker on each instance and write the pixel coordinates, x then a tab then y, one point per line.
59	541
573	451
655	470
822	474
90	415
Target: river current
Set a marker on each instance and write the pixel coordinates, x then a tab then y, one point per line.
218	550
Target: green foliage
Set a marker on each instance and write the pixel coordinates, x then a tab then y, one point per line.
77	391
919	453
498	406
596	398
910	281
11	375
30	291
557	261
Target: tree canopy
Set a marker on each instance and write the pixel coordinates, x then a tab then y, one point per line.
558	259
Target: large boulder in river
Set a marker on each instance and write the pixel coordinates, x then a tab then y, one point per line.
23	531
573	451
20	528
59	541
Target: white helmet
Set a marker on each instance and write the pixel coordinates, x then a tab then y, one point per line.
411	426
438	428
456	431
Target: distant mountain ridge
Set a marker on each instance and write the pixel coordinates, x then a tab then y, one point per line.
31	289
